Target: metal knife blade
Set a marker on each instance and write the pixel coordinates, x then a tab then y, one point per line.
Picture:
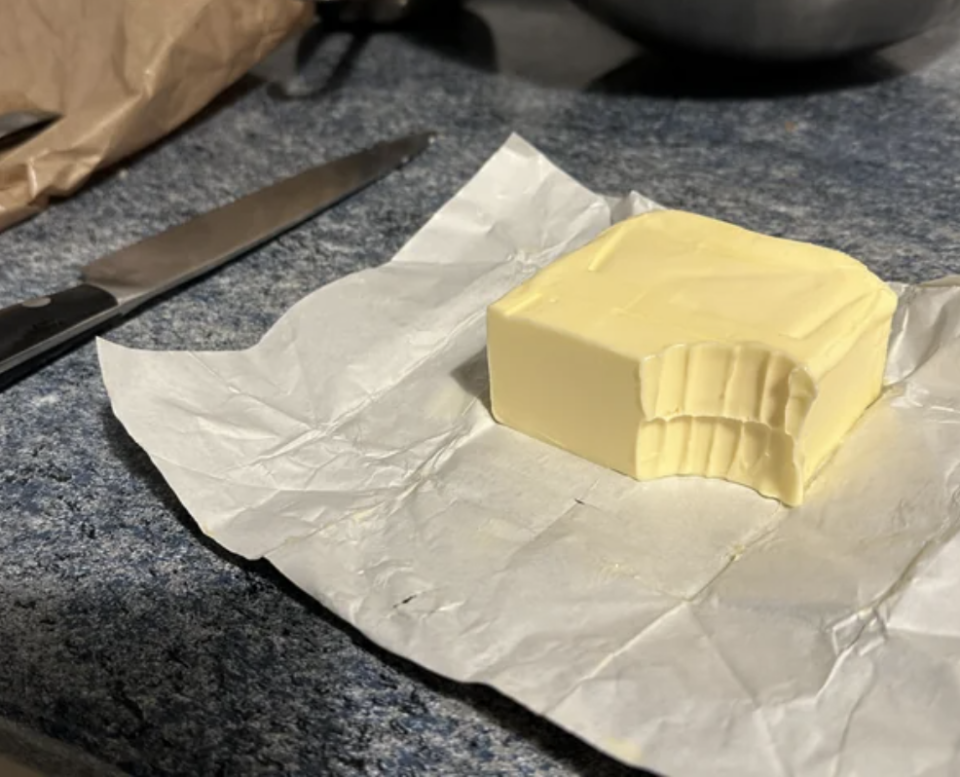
119	282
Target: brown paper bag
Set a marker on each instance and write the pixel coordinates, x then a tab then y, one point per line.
122	73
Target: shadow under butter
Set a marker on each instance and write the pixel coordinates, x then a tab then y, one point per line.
473	376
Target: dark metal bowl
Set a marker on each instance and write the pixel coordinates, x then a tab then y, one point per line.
785	30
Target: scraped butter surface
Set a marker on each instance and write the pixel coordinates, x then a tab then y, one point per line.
674	344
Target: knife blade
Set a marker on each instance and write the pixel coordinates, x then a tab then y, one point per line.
116	284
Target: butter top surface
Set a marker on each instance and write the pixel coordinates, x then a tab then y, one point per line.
670	277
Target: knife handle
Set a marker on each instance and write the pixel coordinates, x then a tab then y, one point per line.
34	327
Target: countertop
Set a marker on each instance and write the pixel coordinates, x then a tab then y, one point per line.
128	635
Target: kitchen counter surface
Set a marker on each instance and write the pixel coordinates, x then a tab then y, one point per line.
127	634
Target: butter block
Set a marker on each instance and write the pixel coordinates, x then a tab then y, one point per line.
675	344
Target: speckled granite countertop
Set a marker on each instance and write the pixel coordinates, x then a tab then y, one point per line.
126	633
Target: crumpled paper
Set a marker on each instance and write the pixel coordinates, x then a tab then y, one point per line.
685	625
121	73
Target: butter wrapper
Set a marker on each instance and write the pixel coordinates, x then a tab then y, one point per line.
685	625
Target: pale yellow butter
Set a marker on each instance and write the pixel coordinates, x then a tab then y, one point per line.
675	344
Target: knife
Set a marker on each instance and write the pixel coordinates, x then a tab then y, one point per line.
116	284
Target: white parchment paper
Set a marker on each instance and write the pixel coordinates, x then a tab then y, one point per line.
685	625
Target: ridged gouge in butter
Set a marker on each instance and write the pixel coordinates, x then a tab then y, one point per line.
675	344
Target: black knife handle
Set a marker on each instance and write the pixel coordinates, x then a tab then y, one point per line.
32	328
